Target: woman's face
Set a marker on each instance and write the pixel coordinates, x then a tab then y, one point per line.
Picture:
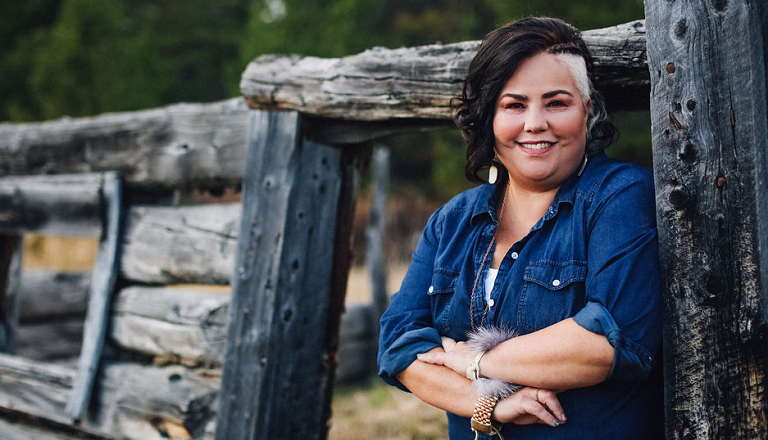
540	124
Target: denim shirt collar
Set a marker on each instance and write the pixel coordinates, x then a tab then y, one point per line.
485	205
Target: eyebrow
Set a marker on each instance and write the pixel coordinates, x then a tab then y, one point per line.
545	96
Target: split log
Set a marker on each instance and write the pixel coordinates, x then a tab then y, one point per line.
192	244
178	146
66	205
418	83
50	295
133	402
50	340
190	324
710	149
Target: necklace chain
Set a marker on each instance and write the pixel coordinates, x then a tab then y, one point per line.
480	270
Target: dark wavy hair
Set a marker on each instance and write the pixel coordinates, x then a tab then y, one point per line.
497	59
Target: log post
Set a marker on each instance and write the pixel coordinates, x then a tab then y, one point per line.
376	233
710	134
288	287
10	276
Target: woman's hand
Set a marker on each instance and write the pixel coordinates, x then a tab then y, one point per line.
455	355
528	406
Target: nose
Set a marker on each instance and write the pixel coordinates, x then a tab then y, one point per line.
535	120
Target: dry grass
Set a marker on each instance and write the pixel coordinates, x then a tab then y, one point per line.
376	411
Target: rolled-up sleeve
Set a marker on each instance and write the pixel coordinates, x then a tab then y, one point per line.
623	297
406	327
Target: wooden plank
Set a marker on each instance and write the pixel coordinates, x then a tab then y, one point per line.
708	109
190	244
10	274
183	322
65	205
277	363
381	84
134	402
182	145
102	284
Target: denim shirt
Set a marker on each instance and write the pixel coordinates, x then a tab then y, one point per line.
593	256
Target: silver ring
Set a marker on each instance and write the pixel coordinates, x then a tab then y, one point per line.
537	395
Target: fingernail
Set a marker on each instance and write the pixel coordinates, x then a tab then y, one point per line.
418	355
556	423
563	418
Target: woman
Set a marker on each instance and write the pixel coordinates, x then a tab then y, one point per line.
561	249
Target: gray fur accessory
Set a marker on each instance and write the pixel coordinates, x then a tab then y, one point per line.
485	339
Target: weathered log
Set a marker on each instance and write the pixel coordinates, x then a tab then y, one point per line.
15	426
286	304
11	249
50	340
381	84
179	146
187	323
102	285
133	401
49	295
192	244
710	146
66	205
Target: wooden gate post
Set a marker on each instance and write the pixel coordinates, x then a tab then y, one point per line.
288	287
710	138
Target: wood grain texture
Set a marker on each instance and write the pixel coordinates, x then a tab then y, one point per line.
708	110
418	83
179	146
135	402
64	205
277	364
183	322
102	285
11	249
171	245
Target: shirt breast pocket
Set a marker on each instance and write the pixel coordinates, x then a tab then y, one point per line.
441	293
552	291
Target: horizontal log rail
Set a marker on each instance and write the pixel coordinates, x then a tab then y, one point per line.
419	82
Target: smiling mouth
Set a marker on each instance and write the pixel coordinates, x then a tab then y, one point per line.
538	146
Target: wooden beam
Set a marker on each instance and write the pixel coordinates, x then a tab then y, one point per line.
102	284
179	146
278	361
64	205
10	275
186	244
183	322
134	401
418	83
710	146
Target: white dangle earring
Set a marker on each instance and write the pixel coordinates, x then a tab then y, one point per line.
493	174
583	165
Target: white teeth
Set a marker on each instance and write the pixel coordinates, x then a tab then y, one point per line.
537	146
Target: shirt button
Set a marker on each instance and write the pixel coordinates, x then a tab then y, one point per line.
556	283
491	302
514	255
431	289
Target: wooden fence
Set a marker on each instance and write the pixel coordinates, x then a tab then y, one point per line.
260	364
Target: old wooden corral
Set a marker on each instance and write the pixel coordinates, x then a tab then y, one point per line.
286	248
